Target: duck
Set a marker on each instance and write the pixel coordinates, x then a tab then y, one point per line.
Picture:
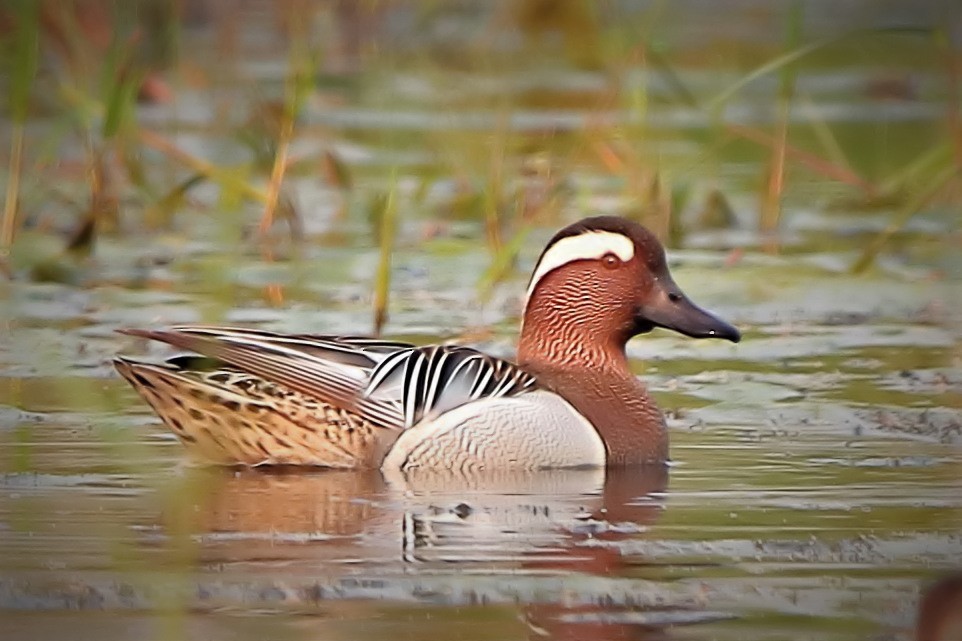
252	397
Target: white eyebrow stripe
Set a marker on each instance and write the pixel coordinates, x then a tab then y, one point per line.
590	245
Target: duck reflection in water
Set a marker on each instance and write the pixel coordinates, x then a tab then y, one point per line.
531	539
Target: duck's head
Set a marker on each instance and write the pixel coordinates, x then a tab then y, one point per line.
606	279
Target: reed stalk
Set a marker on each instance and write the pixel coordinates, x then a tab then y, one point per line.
387	232
23	61
902	217
771	202
12	200
298	84
502	263
203	167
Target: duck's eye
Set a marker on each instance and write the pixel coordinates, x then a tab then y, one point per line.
610	260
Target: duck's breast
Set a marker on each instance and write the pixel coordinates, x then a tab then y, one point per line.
536	430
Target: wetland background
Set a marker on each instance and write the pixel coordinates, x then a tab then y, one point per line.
343	167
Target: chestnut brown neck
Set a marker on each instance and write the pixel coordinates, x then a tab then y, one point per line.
565	327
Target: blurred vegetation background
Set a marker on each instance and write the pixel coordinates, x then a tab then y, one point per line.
258	125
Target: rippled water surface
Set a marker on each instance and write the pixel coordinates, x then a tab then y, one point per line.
815	488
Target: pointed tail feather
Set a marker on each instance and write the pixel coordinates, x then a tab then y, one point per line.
308	365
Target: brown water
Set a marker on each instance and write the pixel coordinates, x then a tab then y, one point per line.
815	488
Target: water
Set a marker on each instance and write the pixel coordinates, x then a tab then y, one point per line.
814	487
814	490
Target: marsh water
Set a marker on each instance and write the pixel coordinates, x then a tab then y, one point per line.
815	486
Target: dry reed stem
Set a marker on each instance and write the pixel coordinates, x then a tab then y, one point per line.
813	161
277	174
920	200
12	201
772	197
201	166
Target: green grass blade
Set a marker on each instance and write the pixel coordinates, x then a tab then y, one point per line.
798	53
911	207
120	104
502	263
382	283
26	47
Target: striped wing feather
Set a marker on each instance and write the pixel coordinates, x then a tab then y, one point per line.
431	380
389	383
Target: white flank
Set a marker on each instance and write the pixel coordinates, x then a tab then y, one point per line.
536	430
587	246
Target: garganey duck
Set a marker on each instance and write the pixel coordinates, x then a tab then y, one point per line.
253	397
